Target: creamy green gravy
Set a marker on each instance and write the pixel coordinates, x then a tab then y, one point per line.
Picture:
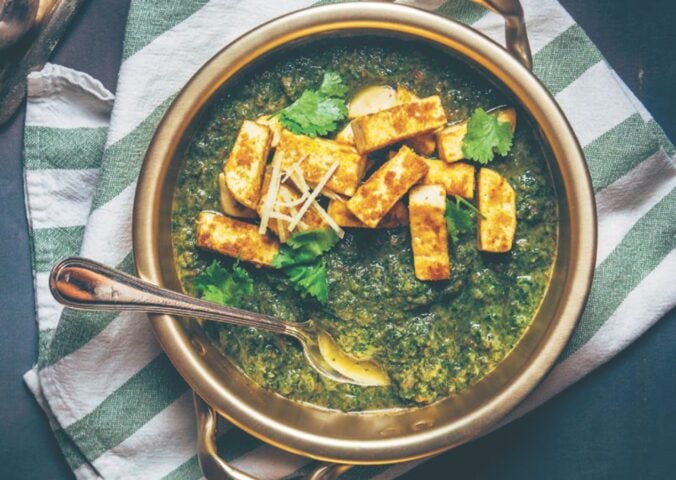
433	338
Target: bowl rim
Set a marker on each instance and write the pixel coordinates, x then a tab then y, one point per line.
463	41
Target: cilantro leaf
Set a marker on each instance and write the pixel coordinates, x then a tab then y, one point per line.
333	86
300	258
218	285
317	112
458	219
485	136
311	278
303	247
317	241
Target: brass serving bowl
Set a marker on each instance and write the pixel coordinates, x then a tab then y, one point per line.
386	436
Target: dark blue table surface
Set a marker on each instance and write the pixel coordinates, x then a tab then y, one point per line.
619	422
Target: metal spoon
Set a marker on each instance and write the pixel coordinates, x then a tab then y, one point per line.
87	285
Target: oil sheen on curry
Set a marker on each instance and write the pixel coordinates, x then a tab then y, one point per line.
385	190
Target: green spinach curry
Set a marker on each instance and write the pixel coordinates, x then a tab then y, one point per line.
432	338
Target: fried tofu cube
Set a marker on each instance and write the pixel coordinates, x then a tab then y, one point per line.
497	205
404	95
429	236
272	122
426	143
345	135
449	142
396	217
449	139
229	205
235	238
244	167
387	185
380	129
288	194
317	155
457	178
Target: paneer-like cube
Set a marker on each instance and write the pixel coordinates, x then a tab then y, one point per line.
387	185
407	120
287	193
272	122
457	178
426	143
229	205
244	167
449	140
429	236
396	217
345	135
497	204
235	238
317	155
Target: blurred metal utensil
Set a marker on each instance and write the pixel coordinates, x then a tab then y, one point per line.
29	32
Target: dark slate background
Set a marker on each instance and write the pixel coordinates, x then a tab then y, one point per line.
619	422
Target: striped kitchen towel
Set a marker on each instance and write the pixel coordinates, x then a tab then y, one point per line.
117	407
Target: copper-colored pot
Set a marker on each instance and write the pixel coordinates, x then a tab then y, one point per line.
371	437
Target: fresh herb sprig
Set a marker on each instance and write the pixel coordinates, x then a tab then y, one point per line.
217	284
317	112
459	219
486	136
300	258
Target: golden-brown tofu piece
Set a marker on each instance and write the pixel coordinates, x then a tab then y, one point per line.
396	217
377	130
318	155
377	196
426	143
244	167
457	178
449	139
272	122
429	236
345	135
235	238
229	205
497	204
287	193
449	142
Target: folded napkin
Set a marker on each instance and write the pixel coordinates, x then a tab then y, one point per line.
117	407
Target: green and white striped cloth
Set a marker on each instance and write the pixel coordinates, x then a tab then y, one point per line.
117	407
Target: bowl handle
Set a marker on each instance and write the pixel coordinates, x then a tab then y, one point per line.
215	468
516	37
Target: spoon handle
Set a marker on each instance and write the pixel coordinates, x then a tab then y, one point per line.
87	285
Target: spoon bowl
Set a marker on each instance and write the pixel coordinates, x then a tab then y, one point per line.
84	284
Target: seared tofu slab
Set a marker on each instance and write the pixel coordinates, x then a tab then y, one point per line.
244	167
235	239
407	120
497	204
317	155
396	217
429	236
377	196
449	139
457	178
449	142
426	143
289	195
228	203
